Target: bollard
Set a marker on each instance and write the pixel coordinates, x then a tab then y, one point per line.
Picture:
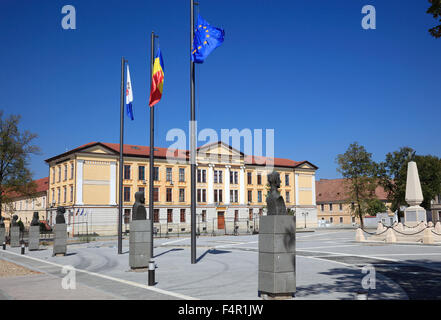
4	245
22	248
151	273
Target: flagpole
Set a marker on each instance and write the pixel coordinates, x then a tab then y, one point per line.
192	141
121	159
152	143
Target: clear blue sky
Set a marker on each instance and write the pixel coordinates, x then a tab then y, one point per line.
304	68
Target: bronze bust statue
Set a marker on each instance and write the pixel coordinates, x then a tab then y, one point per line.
14	222
59	219
274	201
35	220
138	211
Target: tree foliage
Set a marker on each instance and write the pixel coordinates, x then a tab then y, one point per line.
394	176
435	11
15	150
359	170
375	206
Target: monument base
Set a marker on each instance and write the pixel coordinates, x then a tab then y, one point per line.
140	244
34	238
414	215
60	239
15	237
277	256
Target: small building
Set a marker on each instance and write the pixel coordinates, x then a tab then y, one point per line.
383	217
436	209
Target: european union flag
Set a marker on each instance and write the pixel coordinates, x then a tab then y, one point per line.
206	39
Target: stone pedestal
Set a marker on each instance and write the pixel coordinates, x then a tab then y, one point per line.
277	258
414	215
139	244
60	239
34	238
15	237
2	236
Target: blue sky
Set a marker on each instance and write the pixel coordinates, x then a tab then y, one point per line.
306	69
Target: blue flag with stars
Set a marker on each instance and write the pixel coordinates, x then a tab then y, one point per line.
206	39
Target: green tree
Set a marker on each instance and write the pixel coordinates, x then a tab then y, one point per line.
15	150
394	177
359	170
374	206
435	11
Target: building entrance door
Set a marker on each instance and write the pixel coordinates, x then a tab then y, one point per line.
221	220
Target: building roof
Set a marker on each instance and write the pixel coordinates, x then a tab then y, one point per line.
336	190
144	151
42	185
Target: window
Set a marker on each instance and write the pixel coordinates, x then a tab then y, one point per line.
53	195
155	173
201	195
330	207
340	206
331	219
59	194
202	176
169	215
249	178
286	179
59	174
65	194
220	177
250	195
250	214
215	196
236	215
65	172
198	195
156	215
233	196
322	207
168	195
218	195
259	178
168	175
155	195
126	194
127	172
233	177
71	194
141	173
259	196
341	219
204	215
287	197
182	215
53	175
72	170
181	195
217	176
181	174
204	195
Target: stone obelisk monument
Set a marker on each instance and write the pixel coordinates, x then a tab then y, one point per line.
277	242
140	235
414	214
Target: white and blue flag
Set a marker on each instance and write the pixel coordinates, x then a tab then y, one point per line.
129	96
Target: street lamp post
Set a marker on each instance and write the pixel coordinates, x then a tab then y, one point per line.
305	214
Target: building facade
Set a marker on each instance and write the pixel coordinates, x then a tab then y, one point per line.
436	209
24	206
231	187
333	206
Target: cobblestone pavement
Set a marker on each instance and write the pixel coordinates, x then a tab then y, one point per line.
330	265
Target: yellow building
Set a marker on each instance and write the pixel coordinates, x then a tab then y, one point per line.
333	206
231	187
24	206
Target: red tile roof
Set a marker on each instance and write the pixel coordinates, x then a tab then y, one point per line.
42	185
144	151
336	190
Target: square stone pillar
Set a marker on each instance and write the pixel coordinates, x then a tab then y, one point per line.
277	256
15	237
2	235
34	238
60	239
140	244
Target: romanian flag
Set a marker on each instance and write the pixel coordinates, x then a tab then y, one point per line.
157	79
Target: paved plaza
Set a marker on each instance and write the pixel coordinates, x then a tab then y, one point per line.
329	267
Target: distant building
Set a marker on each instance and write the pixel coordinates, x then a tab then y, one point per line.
333	206
24	206
436	209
